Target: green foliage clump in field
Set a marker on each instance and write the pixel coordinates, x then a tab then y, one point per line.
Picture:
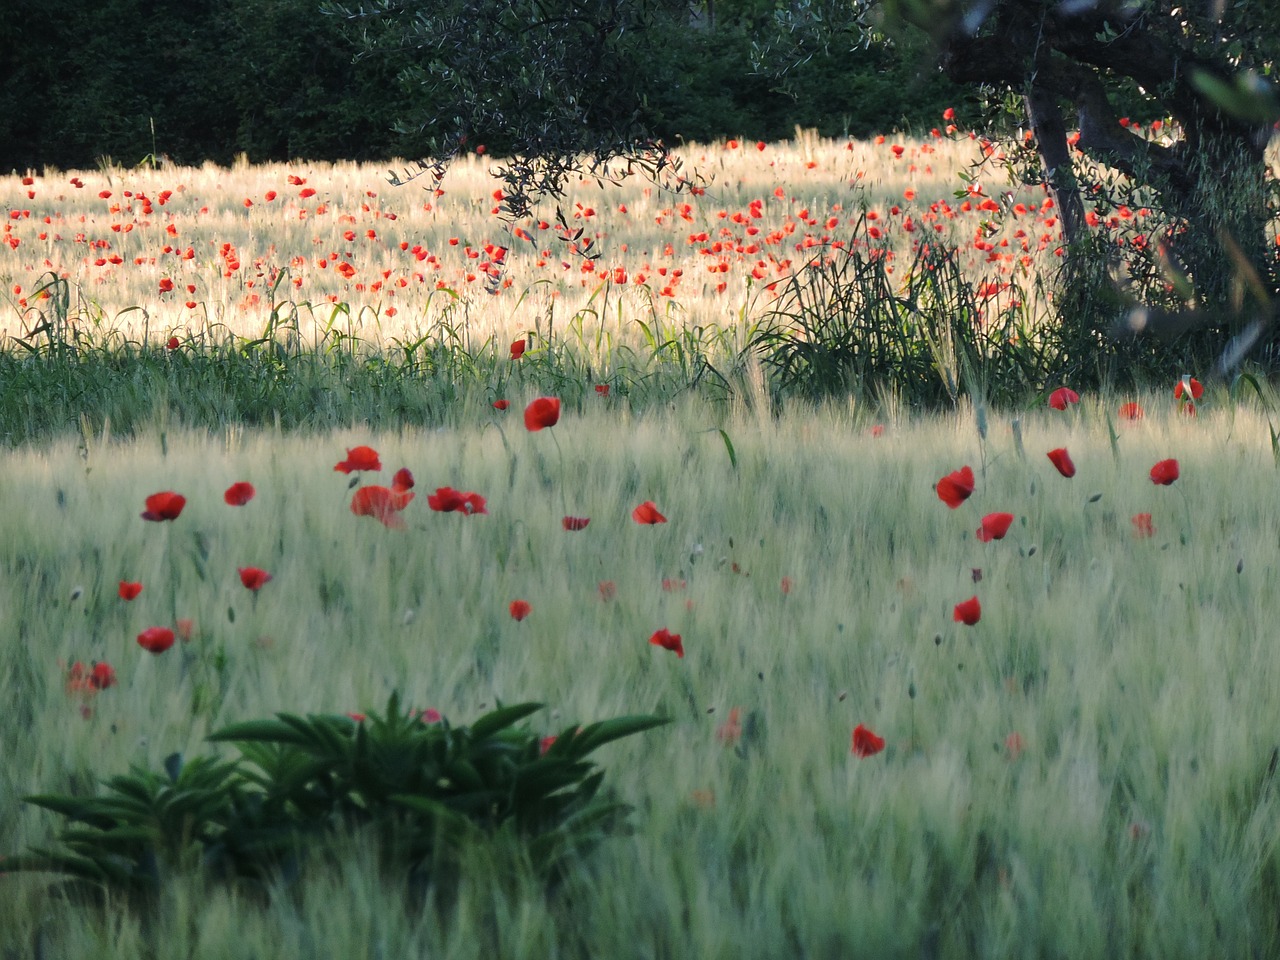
419	787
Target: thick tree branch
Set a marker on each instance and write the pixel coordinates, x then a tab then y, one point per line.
1050	131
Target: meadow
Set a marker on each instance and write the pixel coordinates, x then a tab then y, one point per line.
653	289
1085	771
196	252
984	683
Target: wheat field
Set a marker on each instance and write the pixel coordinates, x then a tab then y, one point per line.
198	253
1086	771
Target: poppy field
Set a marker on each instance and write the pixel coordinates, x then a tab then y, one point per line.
898	267
975	684
929	691
193	253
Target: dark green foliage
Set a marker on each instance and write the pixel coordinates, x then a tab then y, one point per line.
720	82
556	87
423	791
142	82
277	80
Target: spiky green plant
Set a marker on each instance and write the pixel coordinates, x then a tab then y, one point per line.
425	790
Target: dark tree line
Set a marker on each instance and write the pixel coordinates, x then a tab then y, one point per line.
133	80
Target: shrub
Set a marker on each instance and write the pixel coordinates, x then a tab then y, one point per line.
425	791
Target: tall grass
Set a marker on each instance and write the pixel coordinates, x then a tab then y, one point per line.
848	325
59	379
1133	817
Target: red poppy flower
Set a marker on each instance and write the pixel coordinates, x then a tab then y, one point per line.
1062	460
164	506
608	590
382	504
173	343
1063	396
156	639
253	578
1164	472
543	412
518	348
501	404
865	742
520	609
402	481
359	458
239	493
955	488
994	526
129	591
787	585
1188	385
102	676
671	585
575	523
445	500
449	500
1131	411
1013	744
969	612
667	640
647	512
1142	527
185	628
602	389
730	732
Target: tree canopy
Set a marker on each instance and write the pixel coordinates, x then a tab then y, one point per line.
1200	70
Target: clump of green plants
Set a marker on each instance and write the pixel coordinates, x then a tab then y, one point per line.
854	321
420	787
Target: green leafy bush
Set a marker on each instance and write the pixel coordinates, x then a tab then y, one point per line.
424	790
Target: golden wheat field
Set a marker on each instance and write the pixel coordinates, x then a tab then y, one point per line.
183	251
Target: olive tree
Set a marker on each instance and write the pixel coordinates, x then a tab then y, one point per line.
558	88
1082	66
